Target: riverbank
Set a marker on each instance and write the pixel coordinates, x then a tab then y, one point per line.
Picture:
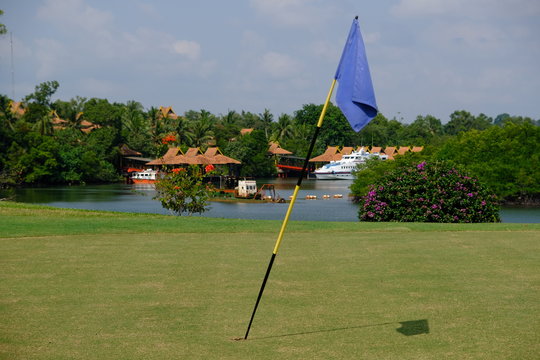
110	285
139	198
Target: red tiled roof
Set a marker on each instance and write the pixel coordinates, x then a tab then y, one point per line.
330	154
275	149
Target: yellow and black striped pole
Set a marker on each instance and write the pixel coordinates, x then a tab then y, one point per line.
291	204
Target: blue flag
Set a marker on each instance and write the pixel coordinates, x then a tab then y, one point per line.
355	96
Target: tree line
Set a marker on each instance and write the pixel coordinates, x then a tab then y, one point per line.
35	148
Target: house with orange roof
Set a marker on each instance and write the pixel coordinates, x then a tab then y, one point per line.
17	108
346	150
330	154
87	126
167	112
403	149
275	149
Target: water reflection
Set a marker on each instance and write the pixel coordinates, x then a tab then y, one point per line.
139	198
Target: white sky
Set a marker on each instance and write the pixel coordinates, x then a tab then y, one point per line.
426	56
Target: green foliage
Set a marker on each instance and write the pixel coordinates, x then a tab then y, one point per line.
43	93
183	191
252	151
373	171
429	192
39	163
504	158
461	121
335	130
422	131
3	29
380	132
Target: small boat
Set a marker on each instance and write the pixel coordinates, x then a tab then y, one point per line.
343	169
147	176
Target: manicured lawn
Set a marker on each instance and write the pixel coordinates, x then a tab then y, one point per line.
96	285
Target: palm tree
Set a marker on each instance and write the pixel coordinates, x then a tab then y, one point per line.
6	113
283	128
44	124
183	130
202	131
230	119
266	119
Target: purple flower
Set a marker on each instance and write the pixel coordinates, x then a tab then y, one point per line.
470	195
483	203
434	206
421	165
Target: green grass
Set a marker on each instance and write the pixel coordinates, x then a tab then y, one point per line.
97	285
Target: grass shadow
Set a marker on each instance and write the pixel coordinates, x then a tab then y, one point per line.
407	328
414	327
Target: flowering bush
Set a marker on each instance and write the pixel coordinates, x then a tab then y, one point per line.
183	191
168	139
429	192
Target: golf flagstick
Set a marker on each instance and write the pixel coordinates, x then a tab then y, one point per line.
355	98
291	205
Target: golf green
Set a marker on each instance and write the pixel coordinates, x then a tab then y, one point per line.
98	285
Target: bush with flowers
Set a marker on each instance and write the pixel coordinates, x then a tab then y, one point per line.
429	192
183	191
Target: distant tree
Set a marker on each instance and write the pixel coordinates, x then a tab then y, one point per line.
462	120
227	128
232	118
504	158
518	120
422	131
380	132
248	119
43	93
3	29
71	111
183	191
252	151
300	139
499	119
184	132
335	130
283	129
101	112
38	163
135	127
38	106
202	131
265	120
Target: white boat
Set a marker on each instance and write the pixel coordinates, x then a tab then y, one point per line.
343	169
147	176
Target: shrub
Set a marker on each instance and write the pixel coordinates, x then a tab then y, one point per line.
429	192
183	191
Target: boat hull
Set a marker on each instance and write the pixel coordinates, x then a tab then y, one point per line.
334	176
143	181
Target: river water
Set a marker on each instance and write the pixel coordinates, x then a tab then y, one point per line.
139	198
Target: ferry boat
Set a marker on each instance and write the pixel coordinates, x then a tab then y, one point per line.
343	169
147	176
